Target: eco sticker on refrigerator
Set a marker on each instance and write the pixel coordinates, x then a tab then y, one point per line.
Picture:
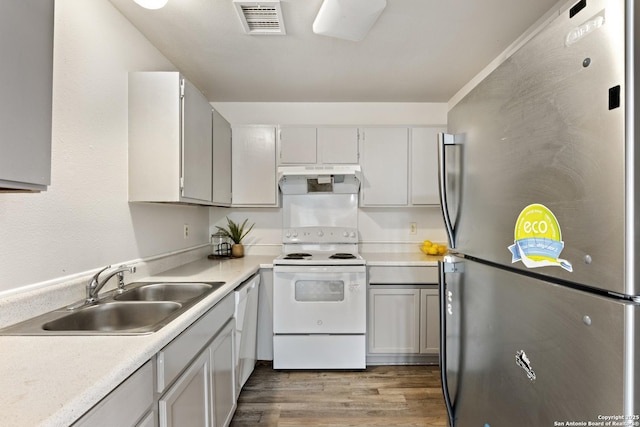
537	239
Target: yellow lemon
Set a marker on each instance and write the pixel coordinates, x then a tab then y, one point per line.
427	243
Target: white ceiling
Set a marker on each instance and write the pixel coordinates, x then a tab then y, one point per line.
418	50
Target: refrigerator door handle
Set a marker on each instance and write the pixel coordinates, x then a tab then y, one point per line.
444	139
444	308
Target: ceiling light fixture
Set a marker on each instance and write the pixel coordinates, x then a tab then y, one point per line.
152	4
347	19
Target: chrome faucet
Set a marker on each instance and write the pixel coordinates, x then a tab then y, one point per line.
95	284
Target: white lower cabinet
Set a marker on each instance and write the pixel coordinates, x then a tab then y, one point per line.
403	315
394	320
429	321
204	395
223	376
195	380
199	370
188	401
265	316
403	321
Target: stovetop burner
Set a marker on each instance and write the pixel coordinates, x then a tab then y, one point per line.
332	258
319	246
342	255
297	255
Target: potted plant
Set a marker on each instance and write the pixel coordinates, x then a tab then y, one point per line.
236	233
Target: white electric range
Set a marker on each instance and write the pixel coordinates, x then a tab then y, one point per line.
319	305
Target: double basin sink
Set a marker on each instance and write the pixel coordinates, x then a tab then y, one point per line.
142	308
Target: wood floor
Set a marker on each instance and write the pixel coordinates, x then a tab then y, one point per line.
407	396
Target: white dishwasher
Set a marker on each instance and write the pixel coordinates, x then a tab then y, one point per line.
246	315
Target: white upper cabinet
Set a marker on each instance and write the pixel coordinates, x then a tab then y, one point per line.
26	82
253	169
384	160
170	140
338	145
424	165
318	145
221	190
197	145
297	145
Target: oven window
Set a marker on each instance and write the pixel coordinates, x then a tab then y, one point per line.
319	290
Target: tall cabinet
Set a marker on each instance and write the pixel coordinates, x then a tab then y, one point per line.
26	82
423	160
221	189
384	153
170	140
254	166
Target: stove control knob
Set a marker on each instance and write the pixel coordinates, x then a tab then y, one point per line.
287	234
294	234
320	233
353	234
345	234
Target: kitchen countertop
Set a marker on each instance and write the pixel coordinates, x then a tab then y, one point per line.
54	380
400	259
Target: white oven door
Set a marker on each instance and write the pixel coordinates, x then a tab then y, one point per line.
319	300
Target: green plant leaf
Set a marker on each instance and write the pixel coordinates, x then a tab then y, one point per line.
234	231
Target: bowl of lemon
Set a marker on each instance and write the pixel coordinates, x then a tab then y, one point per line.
430	248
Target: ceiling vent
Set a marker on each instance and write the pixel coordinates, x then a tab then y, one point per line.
260	17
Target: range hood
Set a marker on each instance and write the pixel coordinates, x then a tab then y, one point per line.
310	179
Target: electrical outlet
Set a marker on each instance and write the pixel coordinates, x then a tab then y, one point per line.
186	231
413	228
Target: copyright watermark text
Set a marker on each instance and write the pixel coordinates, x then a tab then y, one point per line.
603	421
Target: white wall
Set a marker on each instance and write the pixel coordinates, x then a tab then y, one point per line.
333	113
380	228
84	220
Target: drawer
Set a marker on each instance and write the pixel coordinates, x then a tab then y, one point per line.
402	275
125	405
175	357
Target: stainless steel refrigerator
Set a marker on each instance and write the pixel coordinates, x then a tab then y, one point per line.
540	315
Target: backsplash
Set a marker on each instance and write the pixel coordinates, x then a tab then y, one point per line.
380	229
23	303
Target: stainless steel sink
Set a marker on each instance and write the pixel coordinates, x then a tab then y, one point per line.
142	308
179	292
115	316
